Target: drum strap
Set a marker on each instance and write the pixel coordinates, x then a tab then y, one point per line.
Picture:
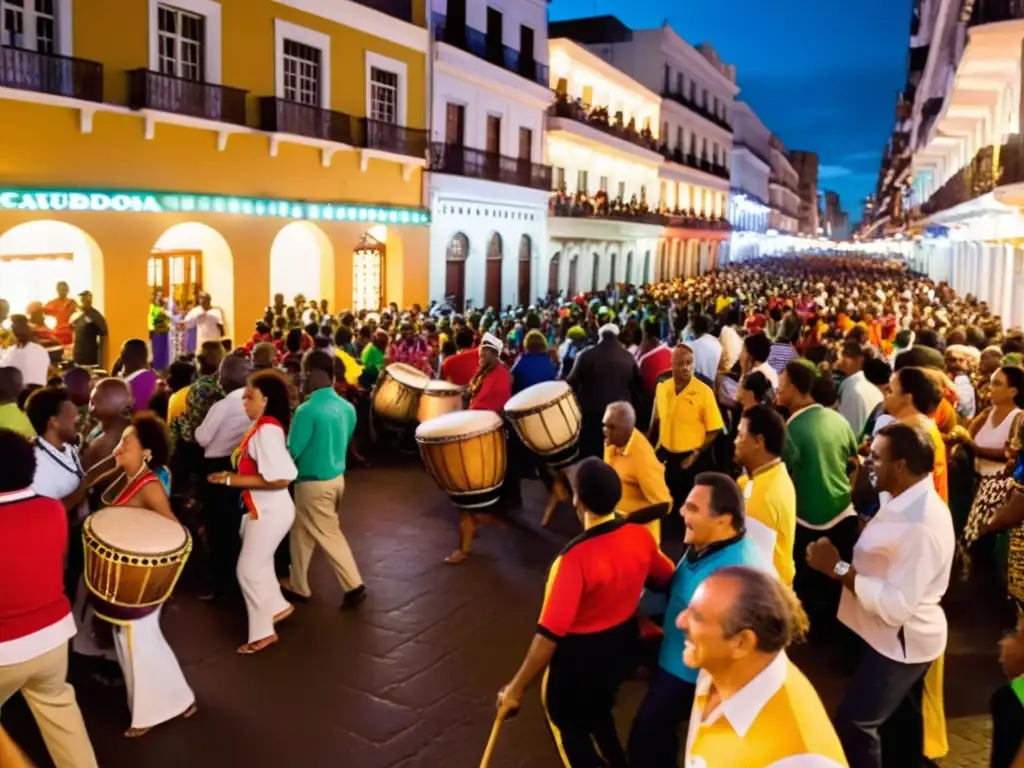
59	458
133	488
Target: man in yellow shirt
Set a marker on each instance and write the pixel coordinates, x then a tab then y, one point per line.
632	457
11	416
685	423
767	487
753	707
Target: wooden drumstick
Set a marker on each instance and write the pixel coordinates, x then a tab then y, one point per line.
492	742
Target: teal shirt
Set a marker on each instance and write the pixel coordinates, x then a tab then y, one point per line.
818	451
319	436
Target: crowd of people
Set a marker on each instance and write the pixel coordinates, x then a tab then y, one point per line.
828	440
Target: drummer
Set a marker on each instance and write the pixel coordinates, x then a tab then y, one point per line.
157	689
491	386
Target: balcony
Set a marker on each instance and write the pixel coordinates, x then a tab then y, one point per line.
50	73
281	116
693	106
992	167
692	161
166	93
601	207
598	117
388	137
754	151
991	11
490	166
399	9
480	45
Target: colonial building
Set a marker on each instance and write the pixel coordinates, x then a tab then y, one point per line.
783	187
489	185
806	166
239	147
749	202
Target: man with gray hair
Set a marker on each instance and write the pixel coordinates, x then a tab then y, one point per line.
603	374
632	457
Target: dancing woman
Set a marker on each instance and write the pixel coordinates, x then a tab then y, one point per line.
157	689
264	468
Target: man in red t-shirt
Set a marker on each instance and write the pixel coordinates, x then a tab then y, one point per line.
462	366
491	387
35	616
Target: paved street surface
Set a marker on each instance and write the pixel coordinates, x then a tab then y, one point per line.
409	680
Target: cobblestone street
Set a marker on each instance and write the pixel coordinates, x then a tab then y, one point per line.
409	679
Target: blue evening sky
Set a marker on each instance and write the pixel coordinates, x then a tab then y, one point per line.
823	76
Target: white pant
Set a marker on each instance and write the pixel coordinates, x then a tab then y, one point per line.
255	571
157	689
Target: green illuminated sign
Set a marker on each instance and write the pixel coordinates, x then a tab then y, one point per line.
172	202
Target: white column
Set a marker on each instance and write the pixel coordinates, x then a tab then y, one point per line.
988	252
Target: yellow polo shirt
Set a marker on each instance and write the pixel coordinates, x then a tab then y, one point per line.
774	717
771	516
176	404
687	417
14	419
642	476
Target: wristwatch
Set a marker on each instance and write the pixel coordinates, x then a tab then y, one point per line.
841	569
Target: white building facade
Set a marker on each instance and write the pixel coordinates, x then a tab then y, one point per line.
750	199
489	184
784	198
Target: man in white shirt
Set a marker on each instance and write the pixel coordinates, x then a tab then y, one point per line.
220	433
900	571
858	397
26	355
207	320
754	357
707	350
732	343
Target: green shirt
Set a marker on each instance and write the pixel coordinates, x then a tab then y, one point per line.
14	419
320	433
373	362
819	447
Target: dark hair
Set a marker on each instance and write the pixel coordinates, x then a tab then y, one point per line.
765	422
765	606
180	375
318	360
859	335
19	464
152	433
877	371
726	497
274	387
911	445
137	349
824	391
757	384
652	328
926	337
801	375
343	336
758	346
464	338
924	392
701	324
45	404
853	348
1015	380
293	341
26	393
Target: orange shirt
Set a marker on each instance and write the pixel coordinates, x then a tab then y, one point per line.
939	473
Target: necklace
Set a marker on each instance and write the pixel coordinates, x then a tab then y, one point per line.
110	499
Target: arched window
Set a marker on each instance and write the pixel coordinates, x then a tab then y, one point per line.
525	277
629	269
492	297
613	265
455	270
595	273
573	268
553	274
647	269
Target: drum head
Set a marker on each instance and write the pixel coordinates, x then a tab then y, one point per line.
458	424
406	374
536	396
137	531
442	389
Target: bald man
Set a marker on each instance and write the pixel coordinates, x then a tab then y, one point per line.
219	434
263	356
633	458
110	406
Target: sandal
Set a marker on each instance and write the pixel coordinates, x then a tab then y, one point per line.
456	557
134	733
250	648
284	614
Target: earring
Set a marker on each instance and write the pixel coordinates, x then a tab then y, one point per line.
147	456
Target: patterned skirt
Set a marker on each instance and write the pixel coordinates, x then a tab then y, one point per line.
992	493
1015	567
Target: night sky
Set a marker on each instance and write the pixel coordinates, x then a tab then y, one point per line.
823	76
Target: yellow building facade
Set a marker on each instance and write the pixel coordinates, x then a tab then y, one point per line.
238	147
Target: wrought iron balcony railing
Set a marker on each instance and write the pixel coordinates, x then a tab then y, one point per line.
282	116
599	118
50	73
478	164
487	48
692	161
693	106
601	207
153	90
393	138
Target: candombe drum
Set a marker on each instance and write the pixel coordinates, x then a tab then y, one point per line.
397	395
133	558
466	453
439	398
546	417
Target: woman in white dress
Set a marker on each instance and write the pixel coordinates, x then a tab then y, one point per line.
264	469
157	689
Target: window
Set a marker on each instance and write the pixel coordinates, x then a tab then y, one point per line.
680	138
559	178
581	182
383	96
714	154
455	124
622	190
525	144
693	144
704	99
704	149
680	83
588	95
716	107
693	91
664	132
643	193
603	184
181	38
302	66
30	24
668	76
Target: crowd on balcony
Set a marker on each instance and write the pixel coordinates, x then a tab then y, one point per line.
602	205
600	118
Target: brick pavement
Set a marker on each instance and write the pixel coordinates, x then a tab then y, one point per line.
409	680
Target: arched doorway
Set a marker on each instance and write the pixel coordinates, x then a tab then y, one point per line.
455	270
629	268
595	272
369	261
663	260
678	245
525	278
574	262
492	294
302	262
613	263
647	268
36	255
553	274
191	258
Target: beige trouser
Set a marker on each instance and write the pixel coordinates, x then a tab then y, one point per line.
43	683
317	504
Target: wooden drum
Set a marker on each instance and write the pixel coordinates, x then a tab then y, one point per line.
133	558
397	395
439	398
546	417
465	452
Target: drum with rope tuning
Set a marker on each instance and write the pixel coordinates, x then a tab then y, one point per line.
439	398
546	417
466	453
397	394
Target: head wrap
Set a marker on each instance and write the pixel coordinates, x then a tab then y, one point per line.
492	341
